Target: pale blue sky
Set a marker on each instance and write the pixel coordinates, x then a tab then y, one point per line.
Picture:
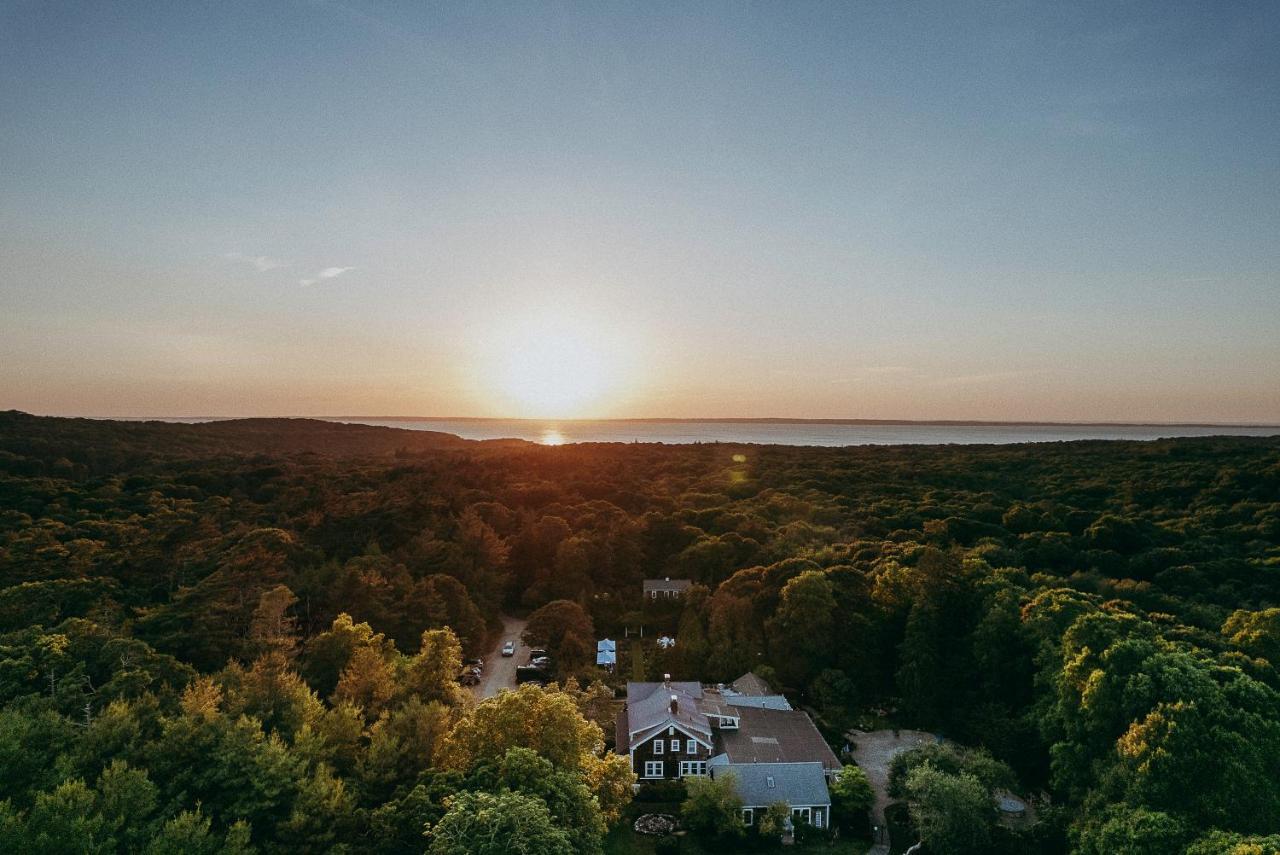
1030	211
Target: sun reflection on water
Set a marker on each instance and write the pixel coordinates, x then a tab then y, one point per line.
552	436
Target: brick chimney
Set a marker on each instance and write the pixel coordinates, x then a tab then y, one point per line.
675	704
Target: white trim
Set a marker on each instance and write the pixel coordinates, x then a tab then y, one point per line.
675	746
748	816
648	769
658	746
668	727
691	746
693	768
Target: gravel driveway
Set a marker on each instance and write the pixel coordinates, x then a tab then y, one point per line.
499	670
874	752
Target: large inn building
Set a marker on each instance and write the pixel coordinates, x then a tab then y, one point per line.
775	753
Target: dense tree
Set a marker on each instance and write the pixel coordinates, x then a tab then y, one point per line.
954	814
713	807
486	824
564	628
247	633
851	798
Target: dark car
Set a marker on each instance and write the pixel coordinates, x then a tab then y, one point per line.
529	674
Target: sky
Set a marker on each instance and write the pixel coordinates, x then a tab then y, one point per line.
812	210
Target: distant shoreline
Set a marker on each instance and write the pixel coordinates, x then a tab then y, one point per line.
733	420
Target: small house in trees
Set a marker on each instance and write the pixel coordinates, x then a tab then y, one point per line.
606	653
665	589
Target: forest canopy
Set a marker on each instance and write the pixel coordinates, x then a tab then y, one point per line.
244	636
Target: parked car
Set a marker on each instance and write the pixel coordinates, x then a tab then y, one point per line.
509	649
542	663
526	674
475	662
469	678
538	652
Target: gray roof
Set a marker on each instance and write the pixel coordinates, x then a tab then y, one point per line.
666	584
751	683
649	709
762	784
760	702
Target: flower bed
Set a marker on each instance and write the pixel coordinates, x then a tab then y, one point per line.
655	824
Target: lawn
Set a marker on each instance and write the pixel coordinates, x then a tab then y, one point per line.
622	840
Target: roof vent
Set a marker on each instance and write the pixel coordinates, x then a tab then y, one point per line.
675	705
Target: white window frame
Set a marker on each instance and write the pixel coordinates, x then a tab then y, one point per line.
658	746
692	746
748	816
817	818
693	768
802	813
649	767
675	746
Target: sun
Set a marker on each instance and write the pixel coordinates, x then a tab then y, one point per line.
549	368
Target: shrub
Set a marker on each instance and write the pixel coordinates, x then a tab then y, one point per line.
662	791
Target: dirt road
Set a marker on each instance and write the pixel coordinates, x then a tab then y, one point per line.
499	670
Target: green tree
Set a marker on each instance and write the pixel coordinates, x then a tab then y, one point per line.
1126	830
497	824
802	626
564	628
954	814
851	798
432	674
713	807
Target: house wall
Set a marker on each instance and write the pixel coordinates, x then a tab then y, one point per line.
645	753
819	815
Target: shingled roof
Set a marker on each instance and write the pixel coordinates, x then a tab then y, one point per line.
776	736
762	784
751	683
667	584
649	710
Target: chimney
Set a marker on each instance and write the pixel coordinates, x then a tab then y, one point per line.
675	704
666	680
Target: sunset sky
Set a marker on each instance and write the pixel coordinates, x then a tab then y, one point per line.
961	211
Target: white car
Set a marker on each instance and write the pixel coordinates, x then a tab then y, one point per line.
509	649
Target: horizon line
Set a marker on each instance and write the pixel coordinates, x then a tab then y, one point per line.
713	420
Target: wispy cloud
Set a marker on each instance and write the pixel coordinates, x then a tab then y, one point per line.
260	263
326	273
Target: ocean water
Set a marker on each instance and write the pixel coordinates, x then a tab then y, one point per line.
798	433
